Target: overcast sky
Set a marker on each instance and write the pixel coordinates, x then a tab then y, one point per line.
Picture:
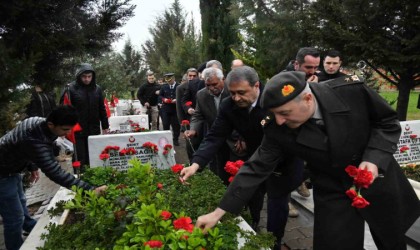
145	15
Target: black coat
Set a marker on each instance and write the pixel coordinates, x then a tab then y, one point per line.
89	103
30	145
41	104
190	93
168	93
147	93
360	126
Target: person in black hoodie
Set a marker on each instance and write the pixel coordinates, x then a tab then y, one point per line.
87	97
30	145
41	103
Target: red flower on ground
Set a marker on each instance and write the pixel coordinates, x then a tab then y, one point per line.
177	168
165	215
188	104
104	157
160	185
154	244
184	223
185	123
359	202
351	193
76	164
363	178
352	170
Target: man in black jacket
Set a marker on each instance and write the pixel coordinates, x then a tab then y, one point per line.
332	64
87	97
148	97
30	146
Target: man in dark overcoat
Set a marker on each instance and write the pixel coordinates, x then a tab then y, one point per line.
332	126
168	110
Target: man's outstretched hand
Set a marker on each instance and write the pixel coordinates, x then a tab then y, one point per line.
208	221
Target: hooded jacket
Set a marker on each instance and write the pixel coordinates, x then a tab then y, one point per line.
30	145
88	101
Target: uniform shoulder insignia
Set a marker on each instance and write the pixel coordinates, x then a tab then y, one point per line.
345	80
267	120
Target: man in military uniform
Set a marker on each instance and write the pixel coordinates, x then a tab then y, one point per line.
332	126
168	111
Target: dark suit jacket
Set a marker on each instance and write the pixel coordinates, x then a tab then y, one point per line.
181	114
190	93
167	92
205	109
360	126
248	125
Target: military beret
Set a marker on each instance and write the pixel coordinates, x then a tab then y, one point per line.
169	74
282	88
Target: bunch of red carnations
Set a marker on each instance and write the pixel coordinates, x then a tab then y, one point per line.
362	178
232	167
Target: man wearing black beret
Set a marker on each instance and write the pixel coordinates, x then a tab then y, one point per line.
333	126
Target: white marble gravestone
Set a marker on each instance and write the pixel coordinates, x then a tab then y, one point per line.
410	139
122	123
123	107
98	143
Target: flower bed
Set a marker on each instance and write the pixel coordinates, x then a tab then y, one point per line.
147	208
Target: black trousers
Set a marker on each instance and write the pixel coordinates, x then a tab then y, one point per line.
170	119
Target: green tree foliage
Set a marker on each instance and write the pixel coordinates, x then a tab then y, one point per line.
38	37
131	62
385	34
219	29
175	45
272	33
168	27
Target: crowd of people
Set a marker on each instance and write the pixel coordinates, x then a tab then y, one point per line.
304	125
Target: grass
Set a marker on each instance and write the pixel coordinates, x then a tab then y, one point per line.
412	113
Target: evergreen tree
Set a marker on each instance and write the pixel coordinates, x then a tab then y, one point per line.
385	34
219	29
168	27
131	62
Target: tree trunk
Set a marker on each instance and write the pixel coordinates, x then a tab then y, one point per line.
404	87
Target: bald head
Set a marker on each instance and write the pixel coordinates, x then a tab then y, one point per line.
237	63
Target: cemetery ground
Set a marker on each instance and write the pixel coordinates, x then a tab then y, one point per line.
413	113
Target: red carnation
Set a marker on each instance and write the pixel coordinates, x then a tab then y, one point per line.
231	178
184	223
360	202
123	152
363	178
76	164
351	170
104	157
239	163
185	123
165	215
177	168
160	185
403	149
351	193
413	136
154	244
188	104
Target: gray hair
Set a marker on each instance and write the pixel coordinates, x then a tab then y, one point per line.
192	70
214	62
243	73
212	72
306	90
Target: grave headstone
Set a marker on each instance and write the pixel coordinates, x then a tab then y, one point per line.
408	150
98	143
123	123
